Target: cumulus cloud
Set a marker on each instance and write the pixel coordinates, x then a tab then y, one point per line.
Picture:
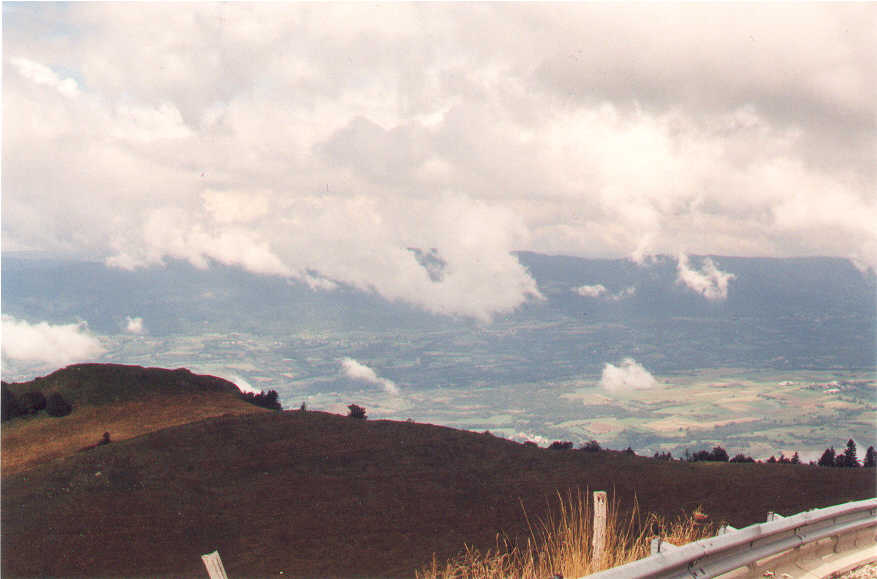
358	371
168	233
630	375
243	385
134	325
43	75
530	437
591	291
462	130
147	124
55	345
709	281
599	290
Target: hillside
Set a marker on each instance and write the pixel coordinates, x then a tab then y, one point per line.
126	401
315	494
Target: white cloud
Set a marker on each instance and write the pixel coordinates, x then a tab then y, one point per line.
630	375
358	371
235	206
134	325
54	345
243	385
709	281
320	143
43	75
599	290
591	291
530	437
147	124
168	233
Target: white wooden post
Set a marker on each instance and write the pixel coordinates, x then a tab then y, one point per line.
214	565
598	539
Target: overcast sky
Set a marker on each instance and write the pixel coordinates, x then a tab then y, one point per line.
321	142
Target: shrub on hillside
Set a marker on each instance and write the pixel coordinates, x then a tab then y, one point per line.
31	402
742	458
9	404
356	411
700	456
263	399
717	454
827	458
558	445
663	456
848	459
56	405
592	446
870	458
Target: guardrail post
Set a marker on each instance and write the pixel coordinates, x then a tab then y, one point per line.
598	539
214	565
659	545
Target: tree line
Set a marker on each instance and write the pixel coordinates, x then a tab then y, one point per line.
830	458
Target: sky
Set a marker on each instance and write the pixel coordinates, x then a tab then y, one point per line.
410	149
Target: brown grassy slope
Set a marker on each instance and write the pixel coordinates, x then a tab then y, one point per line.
312	494
126	401
31	441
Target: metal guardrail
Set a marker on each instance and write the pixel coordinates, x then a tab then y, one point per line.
744	547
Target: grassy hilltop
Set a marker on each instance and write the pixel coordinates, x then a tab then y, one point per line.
315	494
126	401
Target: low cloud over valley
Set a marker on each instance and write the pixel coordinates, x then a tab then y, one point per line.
320	142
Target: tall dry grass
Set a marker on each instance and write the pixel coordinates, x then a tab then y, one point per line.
560	544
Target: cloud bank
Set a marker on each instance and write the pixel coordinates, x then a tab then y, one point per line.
52	345
630	375
322	142
709	281
358	371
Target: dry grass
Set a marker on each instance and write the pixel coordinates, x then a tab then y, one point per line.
560	544
31	441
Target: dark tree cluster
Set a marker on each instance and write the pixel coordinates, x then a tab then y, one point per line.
32	403
356	411
783	459
848	458
263	399
591	446
558	445
717	454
